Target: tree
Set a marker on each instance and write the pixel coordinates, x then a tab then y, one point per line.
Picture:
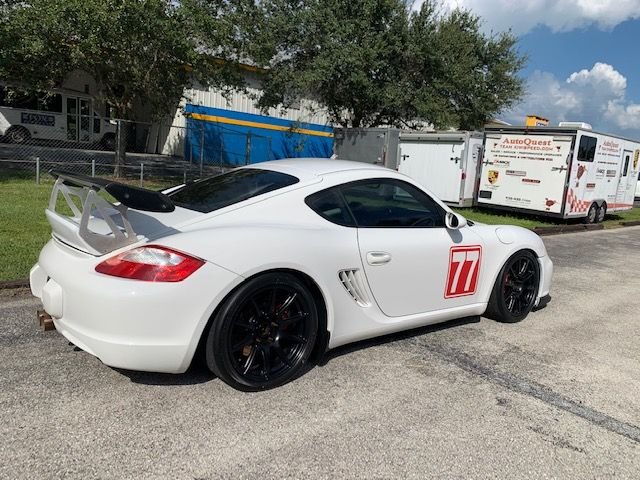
471	76
345	53
379	62
140	52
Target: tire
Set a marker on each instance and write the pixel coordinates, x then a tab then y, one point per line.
602	212
592	214
108	142
516	289
18	135
264	333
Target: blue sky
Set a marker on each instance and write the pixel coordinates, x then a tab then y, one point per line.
583	64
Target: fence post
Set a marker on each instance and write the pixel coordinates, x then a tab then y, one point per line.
184	175
93	167
38	170
141	174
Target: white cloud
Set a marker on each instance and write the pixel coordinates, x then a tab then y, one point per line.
559	15
596	96
602	77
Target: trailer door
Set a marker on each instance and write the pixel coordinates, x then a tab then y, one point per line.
435	165
474	153
626	182
527	171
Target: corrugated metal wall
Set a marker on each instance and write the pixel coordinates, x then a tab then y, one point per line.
309	112
230	138
170	140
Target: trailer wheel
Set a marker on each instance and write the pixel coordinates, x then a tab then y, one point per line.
602	212
592	214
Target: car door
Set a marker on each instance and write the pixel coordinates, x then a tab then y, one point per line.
413	263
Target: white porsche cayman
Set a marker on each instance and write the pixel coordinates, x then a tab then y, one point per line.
264	266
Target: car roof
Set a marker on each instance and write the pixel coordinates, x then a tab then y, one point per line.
314	166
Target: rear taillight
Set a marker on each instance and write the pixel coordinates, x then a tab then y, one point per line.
152	263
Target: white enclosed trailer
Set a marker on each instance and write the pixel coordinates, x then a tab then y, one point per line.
567	172
446	163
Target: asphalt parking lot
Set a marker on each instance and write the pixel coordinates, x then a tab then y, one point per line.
556	396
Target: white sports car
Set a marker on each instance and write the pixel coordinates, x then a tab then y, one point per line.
261	268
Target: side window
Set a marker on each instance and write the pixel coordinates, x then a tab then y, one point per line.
587	148
626	165
329	205
20	99
385	203
50	102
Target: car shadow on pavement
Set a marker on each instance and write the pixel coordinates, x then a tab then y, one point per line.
198	372
393	337
195	375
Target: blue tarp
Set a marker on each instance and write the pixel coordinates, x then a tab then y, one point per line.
226	137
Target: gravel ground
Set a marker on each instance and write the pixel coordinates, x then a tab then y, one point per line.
555	396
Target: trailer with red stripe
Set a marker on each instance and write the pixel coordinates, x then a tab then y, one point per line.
569	171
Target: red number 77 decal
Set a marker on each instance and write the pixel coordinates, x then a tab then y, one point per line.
464	267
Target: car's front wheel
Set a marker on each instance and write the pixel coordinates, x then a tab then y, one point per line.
264	333
516	288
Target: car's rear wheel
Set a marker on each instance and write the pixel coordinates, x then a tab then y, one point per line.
264	333
516	288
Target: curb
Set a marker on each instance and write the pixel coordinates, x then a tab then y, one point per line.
543	231
12	284
631	223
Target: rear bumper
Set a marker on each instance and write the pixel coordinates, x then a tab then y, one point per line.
126	323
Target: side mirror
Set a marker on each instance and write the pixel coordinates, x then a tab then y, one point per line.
453	221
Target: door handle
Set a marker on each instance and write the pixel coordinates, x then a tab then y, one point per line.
378	258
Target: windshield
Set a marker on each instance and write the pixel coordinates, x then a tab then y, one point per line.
229	188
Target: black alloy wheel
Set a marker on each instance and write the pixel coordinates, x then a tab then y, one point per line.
516	289
264	334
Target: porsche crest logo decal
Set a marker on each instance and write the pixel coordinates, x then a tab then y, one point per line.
493	176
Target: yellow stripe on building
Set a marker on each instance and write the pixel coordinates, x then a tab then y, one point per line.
266	126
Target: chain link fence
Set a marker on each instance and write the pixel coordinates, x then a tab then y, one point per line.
129	151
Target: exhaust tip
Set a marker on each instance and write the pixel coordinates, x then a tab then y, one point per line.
45	321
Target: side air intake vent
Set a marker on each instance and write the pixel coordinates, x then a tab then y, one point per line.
354	285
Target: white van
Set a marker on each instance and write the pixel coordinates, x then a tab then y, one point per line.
62	116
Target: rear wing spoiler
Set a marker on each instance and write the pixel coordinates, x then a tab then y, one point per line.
96	225
128	195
